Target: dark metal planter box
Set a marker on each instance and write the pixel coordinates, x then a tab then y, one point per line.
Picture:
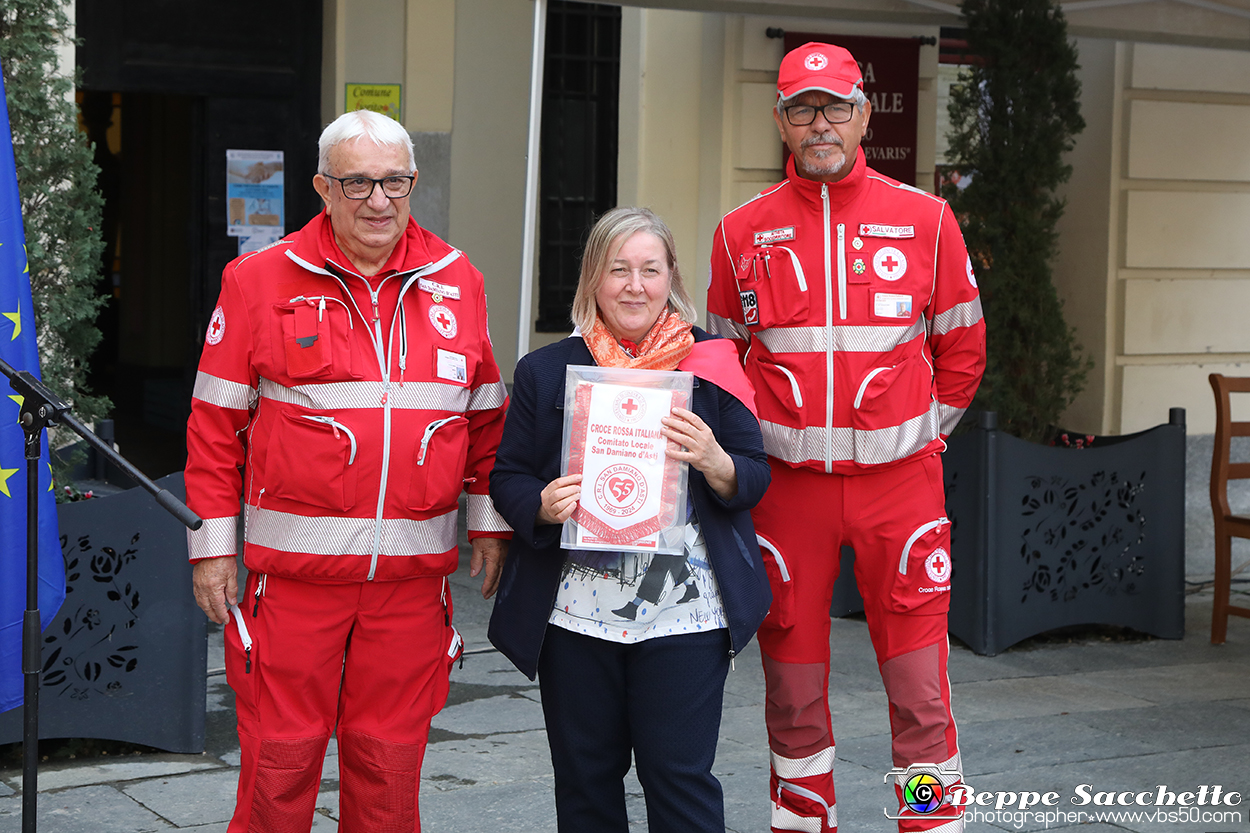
125	657
1047	537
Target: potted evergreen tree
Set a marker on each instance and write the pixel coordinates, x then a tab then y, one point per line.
1089	530
129	639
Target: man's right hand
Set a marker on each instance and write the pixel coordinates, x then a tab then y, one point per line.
216	585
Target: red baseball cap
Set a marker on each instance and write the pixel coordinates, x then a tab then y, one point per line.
819	66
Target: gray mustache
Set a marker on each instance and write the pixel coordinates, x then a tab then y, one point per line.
823	139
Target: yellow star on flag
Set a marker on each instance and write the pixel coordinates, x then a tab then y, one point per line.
16	318
5	474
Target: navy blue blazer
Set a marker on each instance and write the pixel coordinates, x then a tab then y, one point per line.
529	458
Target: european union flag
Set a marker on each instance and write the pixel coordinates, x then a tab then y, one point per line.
18	348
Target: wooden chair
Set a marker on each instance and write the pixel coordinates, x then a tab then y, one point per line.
1227	525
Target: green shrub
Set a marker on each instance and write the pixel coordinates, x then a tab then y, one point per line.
1013	117
61	208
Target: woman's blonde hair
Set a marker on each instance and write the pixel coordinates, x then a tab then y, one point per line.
606	238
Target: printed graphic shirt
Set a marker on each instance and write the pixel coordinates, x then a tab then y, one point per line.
629	597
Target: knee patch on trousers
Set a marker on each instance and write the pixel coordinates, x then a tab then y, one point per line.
795	710
919	708
288	774
379	781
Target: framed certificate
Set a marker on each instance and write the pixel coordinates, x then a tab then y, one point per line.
633	495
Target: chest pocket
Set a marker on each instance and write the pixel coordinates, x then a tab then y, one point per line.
772	288
314	336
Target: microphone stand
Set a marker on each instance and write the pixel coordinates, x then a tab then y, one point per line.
41	408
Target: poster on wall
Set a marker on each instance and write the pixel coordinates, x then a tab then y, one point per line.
891	70
254	197
380	98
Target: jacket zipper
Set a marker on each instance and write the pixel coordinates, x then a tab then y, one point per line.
321	306
798	267
384	364
863	386
336	426
811	795
794	386
824	198
429	434
244	637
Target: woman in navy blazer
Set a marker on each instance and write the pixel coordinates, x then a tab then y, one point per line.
660	697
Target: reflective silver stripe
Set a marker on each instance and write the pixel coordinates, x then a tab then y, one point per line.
949	417
868	447
786	819
960	315
720	326
215	538
329	535
820	763
224	394
485	397
848	339
482	516
424	396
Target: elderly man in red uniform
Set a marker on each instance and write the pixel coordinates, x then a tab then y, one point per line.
856	310
346	395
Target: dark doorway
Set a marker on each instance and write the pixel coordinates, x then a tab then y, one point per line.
179	84
581	84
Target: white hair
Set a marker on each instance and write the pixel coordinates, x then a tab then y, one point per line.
381	130
857	98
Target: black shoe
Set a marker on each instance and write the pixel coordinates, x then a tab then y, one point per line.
692	593
629	611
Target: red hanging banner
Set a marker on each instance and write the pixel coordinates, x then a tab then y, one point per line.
891	69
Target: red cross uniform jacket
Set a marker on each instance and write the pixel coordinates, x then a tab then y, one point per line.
348	413
856	309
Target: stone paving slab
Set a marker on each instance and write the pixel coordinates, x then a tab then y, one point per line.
1031	697
83	775
505	713
1005	745
188	799
96	809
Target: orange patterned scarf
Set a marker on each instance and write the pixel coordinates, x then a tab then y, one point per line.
668	342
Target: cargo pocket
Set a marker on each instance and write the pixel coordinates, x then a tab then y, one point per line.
438	464
888	394
783	385
315	334
923	581
781	612
772	288
312	460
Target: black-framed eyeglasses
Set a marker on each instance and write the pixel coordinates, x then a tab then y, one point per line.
835	112
361	187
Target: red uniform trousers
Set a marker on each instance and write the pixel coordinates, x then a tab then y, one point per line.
370	658
895	520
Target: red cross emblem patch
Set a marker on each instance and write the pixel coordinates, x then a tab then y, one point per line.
889	263
444	320
216	327
938	566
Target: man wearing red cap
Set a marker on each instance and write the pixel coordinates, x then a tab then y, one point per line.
855	307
